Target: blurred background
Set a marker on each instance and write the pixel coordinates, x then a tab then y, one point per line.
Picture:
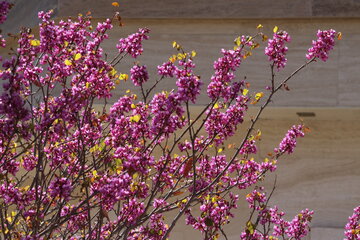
324	172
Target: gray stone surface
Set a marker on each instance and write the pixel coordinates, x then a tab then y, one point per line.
191	9
336	8
25	12
218	9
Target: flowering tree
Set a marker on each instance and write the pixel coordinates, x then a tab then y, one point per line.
68	171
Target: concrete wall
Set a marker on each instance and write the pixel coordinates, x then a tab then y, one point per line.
331	84
218	9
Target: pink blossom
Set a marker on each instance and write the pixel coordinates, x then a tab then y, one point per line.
60	187
139	75
5	7
276	49
288	144
321	47
167	69
133	43
352	228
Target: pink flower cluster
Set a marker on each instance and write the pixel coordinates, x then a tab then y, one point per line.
167	69
167	113
270	218
322	46
4	10
100	174
60	187
249	148
256	199
224	67
352	228
276	49
288	143
133	43
77	221
154	230
139	75
11	194
188	84
222	125
215	212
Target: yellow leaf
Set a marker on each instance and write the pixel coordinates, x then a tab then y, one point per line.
127	91
181	56
135	175
172	58
275	29
133	187
94	173
87	85
123	76
174	44
102	146
238	41
250	227
112	72
339	36
13	214
117	81
259	95
133	106
35	43
259	26
259	133
264	38
245	92
258	136
66	43
9	219
115	4
216	105
68	62
220	150
77	56
193	54
94	148
135	118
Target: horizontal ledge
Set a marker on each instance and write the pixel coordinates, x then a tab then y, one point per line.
290	113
